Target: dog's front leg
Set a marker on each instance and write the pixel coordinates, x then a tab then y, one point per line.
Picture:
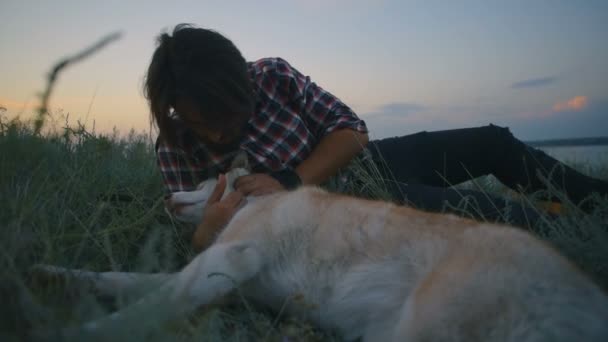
108	284
210	275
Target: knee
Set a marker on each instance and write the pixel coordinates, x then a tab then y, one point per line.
498	130
498	134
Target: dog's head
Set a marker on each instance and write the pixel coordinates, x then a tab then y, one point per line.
187	206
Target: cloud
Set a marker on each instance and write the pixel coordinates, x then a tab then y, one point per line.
395	119
590	121
535	82
575	104
399	109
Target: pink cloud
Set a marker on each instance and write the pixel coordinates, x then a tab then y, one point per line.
574	104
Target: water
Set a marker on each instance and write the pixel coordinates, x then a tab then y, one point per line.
590	155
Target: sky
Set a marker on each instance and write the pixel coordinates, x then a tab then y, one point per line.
538	67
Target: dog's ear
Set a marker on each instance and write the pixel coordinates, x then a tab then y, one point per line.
240	161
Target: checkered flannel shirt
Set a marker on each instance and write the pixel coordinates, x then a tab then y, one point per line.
292	114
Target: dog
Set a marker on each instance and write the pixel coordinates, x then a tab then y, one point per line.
371	270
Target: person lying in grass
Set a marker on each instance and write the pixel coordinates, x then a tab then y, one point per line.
209	103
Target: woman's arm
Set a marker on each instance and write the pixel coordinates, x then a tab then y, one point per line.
340	133
333	152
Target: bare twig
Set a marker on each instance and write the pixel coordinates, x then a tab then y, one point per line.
52	77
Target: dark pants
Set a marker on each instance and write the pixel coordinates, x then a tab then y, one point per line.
420	168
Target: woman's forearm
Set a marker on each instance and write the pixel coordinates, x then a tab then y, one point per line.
333	152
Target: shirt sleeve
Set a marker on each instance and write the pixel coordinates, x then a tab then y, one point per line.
176	171
321	111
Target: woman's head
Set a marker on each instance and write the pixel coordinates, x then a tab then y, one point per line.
200	76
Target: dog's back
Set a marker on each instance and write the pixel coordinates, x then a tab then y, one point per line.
391	273
495	283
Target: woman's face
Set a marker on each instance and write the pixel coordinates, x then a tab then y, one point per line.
220	137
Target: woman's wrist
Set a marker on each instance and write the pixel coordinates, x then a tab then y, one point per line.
288	178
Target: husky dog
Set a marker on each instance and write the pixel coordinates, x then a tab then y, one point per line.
373	270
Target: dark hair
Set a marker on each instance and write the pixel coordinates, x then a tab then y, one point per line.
203	67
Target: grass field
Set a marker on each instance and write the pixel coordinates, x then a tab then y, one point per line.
77	199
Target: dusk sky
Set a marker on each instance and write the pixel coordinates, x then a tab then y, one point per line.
539	67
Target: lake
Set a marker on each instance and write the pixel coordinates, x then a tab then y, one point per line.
594	155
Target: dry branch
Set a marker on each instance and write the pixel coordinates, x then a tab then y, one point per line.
52	77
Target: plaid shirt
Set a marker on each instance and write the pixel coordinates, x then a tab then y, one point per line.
292	114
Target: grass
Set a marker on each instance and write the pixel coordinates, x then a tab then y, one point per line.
79	199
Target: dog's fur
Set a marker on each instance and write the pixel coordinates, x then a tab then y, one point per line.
375	270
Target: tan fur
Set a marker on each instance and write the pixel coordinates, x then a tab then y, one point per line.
376	271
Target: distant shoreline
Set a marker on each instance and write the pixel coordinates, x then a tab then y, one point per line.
590	141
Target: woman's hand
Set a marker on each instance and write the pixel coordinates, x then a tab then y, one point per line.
216	214
257	184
